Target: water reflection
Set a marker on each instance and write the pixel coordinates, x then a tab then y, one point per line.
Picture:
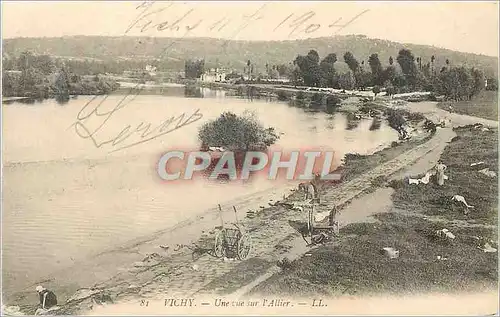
352	121
330	124
193	92
62	99
316	102
376	123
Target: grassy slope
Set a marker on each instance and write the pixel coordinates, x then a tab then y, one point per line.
484	105
470	146
354	264
236	53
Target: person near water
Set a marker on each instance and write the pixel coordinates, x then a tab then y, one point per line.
440	168
47	298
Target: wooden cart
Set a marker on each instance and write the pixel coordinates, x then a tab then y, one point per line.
232	242
316	232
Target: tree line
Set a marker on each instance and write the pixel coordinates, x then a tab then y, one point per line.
405	73
41	76
95	67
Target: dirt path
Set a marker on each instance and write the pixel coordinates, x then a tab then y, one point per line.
430	110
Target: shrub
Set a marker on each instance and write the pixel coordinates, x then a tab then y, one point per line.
235	132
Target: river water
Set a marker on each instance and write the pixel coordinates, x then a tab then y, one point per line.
64	199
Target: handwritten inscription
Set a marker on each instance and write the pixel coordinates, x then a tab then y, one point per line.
129	136
160	16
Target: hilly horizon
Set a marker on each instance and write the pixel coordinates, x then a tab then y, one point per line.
235	53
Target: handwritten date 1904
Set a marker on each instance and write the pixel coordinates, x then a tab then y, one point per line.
155	15
141	133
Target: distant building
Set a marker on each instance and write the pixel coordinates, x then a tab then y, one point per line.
151	70
214	75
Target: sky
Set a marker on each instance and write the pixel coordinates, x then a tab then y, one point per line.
462	26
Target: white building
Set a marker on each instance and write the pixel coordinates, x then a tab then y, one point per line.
213	75
151	70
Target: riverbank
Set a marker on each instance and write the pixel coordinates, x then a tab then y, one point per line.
484	105
61	90
408	221
288	92
127	259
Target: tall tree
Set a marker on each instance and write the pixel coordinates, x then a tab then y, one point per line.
478	81
327	67
407	62
389	74
433	58
376	68
249	69
351	62
309	70
457	83
346	81
419	63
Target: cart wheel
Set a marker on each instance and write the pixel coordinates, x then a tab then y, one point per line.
317	239
244	246
219	250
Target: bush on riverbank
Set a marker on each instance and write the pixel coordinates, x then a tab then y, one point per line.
237	132
332	104
13	86
284	95
41	76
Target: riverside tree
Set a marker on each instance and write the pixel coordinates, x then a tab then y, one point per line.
62	86
237	133
397	122
194	69
41	76
308	69
411	74
327	67
407	62
459	83
376	68
351	62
